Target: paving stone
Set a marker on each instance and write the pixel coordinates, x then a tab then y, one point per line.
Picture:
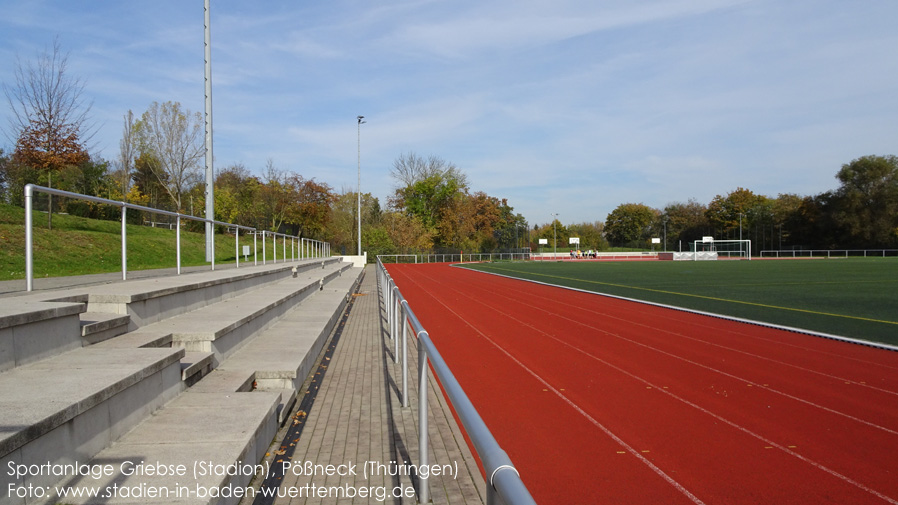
358	419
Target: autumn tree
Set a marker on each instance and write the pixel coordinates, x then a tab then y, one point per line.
426	187
407	233
727	213
310	211
49	121
236	196
174	138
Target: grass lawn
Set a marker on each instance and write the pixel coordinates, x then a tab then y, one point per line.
852	297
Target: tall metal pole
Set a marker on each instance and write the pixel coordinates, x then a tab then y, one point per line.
210	177
554	236
359	189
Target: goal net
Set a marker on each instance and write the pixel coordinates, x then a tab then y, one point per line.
710	249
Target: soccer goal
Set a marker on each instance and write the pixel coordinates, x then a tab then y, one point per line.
709	249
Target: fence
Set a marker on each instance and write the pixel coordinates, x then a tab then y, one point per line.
314	248
504	485
453	257
829	253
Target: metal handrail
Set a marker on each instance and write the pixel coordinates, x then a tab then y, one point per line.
504	484
320	250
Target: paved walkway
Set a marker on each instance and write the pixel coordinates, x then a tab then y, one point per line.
357	419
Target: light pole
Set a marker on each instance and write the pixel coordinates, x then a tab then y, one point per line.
554	236
210	176
359	190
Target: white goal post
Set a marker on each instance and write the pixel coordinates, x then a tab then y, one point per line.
710	249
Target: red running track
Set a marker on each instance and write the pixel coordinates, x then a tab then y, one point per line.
598	400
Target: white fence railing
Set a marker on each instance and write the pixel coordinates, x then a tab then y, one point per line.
829	253
307	248
504	485
453	257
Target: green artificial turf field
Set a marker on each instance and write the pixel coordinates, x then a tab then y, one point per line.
851	297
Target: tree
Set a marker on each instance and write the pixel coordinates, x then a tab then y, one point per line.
410	168
426	188
628	223
49	123
5	167
686	222
590	235
237	194
125	162
309	213
785	210
726	213
174	137
407	233
551	232
866	204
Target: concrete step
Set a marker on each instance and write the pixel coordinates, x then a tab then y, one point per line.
33	330
73	406
226	326
69	407
199	431
152	300
195	366
226	381
99	326
283	355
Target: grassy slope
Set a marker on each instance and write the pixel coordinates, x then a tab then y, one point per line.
78	246
851	297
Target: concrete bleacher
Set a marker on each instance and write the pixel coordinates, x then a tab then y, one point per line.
174	370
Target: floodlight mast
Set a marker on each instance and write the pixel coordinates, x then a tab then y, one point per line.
359	189
554	236
210	176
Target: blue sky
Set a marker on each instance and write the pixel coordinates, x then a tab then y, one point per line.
564	106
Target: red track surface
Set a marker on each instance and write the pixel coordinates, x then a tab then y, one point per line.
599	400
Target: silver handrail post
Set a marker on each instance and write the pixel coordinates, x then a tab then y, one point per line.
255	250
237	245
264	253
178	242
396	311
124	245
404	355
212	241
423	484
29	240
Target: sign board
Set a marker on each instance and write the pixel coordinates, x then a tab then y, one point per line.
707	239
656	240
574	240
245	251
543	241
